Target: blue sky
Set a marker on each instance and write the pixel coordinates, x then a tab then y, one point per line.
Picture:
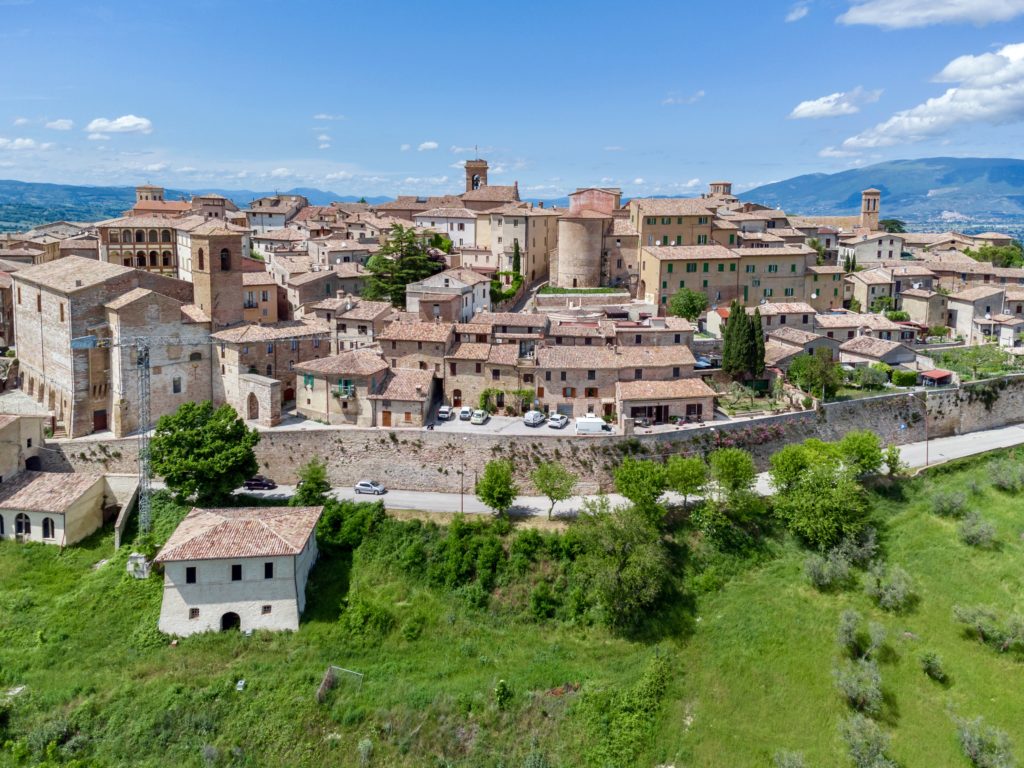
387	97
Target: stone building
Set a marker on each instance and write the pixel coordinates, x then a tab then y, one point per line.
336	389
405	398
417	345
472	367
661	402
239	568
354	322
454	296
259	298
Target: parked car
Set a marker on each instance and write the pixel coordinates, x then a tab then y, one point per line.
533	418
445	413
370	486
558	421
480	417
259	483
465	413
702	362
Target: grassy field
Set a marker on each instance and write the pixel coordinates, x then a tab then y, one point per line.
746	663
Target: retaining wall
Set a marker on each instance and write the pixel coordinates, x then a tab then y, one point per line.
433	460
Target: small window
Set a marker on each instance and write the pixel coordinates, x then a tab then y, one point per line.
265	610
62	311
176	385
193	613
190	575
236	572
268	570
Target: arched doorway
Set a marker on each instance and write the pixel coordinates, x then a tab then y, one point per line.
34	463
289	395
22	526
457	398
230	621
253	407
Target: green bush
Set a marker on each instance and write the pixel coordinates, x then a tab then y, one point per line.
931	665
866	742
948	503
984	745
891	588
976	531
860	684
543	601
344	524
367	619
984	624
904	378
503	694
1008	475
827	572
848	635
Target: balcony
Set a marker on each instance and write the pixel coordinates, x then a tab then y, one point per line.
344	393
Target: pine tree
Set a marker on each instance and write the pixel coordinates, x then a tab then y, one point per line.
757	362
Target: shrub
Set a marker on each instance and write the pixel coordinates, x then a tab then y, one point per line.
860	684
948	503
1008	475
365	749
904	378
983	623
860	549
848	633
891	588
807	403
789	760
364	618
866	742
503	694
474	595
931	665
543	601
413	627
876	639
976	531
984	745
827	572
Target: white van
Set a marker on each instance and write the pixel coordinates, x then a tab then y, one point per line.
591	425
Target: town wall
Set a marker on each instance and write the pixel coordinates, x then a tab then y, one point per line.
417	459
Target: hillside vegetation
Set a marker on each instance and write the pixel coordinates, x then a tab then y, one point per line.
484	645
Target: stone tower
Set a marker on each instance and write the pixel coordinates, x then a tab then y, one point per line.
476	174
149	192
217	274
869	200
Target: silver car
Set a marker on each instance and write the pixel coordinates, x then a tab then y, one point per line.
558	421
371	487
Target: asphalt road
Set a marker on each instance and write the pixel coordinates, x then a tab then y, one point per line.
939	450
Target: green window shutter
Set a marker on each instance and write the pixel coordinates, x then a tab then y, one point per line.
706	266
664	299
679	239
732	267
732	239
664	239
721	267
664	283
705	283
792	267
669	270
682	283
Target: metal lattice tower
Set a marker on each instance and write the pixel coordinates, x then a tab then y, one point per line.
142	367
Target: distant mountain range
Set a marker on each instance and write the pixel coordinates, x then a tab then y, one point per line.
967	193
24	205
950	189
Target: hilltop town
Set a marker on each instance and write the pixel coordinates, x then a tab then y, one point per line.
276	310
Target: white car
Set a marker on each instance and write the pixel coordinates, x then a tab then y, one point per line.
480	417
558	421
465	413
371	487
533	418
445	413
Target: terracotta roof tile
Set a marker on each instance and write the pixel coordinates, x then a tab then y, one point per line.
51	492
662	390
406	385
218	534
364	361
416	332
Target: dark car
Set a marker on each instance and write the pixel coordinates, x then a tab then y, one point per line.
260	483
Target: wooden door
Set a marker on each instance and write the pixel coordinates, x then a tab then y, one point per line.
385	418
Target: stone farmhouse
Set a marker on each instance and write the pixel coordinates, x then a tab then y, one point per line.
239	568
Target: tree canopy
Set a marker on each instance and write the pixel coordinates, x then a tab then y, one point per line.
896	226
816	373
743	343
642	482
999	255
686	475
554	481
313	485
403	259
496	487
687	303
203	452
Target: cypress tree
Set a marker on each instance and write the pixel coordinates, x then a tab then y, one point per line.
744	344
757	363
729	340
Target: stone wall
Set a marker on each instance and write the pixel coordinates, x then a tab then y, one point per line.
433	460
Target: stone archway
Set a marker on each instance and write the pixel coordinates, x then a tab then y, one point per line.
253	407
229	621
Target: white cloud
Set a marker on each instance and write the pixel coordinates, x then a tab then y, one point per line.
122	124
901	14
797	12
18	145
638	181
280	173
427	146
613	148
338	176
326	116
324	145
323	137
835	152
20	121
97	137
690	184
62	124
458	164
414	180
989	89
187	169
155	167
405	148
674	98
835	104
